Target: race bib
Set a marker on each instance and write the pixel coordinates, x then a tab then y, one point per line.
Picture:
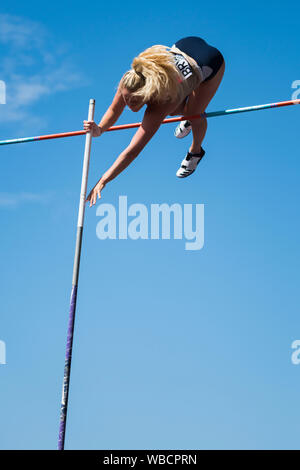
183	66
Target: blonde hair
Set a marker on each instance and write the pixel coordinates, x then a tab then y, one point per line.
153	76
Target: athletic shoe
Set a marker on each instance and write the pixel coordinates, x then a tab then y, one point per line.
189	164
183	129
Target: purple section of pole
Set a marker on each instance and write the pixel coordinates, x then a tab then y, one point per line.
68	359
67	370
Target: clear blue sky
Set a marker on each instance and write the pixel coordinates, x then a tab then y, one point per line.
173	349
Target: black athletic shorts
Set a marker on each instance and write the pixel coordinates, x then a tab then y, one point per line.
202	53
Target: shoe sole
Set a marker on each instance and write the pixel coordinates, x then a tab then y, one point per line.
181	136
184	133
185	176
192	171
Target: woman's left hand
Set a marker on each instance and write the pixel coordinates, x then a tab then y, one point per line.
96	191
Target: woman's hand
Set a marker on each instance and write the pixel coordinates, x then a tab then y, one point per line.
96	191
92	127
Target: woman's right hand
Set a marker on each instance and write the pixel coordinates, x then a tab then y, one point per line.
92	127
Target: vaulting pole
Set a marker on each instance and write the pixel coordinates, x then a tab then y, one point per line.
68	358
166	121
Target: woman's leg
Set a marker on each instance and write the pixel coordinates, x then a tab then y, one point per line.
197	104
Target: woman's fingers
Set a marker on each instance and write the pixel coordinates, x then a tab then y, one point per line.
96	191
92	200
91	126
88	125
93	197
89	196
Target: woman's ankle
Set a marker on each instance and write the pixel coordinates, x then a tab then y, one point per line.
195	149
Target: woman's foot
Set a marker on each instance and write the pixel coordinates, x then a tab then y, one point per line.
183	129
189	164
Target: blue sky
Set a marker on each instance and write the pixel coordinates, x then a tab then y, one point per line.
173	349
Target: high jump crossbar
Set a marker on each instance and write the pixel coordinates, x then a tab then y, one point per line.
166	121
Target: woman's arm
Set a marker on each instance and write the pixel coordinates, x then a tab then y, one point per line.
114	112
110	117
152	120
150	124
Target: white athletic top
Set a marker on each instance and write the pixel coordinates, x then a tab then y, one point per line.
191	73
